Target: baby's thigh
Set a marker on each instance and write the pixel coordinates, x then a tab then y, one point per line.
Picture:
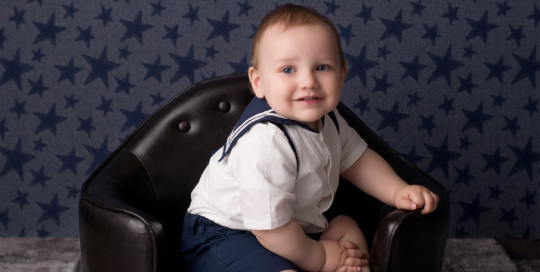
339	227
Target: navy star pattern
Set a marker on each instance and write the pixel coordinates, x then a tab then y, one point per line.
449	84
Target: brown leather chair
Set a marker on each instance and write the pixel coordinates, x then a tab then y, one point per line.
131	208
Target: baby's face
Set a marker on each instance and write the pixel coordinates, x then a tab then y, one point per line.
299	72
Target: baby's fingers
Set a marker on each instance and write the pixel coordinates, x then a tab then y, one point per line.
355	262
356	254
349	269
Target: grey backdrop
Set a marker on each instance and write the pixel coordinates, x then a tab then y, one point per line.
449	84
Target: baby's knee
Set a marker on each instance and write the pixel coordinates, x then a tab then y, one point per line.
344	221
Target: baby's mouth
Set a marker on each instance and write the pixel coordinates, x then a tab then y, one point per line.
308	98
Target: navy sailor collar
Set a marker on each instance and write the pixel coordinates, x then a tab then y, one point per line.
257	111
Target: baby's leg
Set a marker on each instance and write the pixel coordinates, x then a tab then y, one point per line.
344	228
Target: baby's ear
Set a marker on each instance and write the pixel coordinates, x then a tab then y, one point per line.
256	82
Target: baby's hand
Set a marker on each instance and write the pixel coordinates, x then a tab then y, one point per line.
413	197
343	256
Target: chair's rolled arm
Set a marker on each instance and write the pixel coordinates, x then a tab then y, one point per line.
410	241
114	235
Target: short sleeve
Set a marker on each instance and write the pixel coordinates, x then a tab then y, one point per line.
264	165
352	145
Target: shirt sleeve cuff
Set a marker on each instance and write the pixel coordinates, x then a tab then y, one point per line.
268	224
353	156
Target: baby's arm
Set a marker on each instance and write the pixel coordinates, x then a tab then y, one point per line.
291	243
373	175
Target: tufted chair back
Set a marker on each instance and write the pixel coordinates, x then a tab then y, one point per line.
131	208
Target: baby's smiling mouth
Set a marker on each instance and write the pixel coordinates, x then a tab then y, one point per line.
310	98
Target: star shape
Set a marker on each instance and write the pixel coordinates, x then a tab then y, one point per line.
412	69
72	191
494	161
42	232
68	72
52	210
39	145
48	31
365	14
447	105
495	192
525	158
244	8
254	28
394	27
18	17
427	124
509	217
516	34
49	120
85	35
39	177
69	161
532	106
71	101
468	52
123	84
362	104
13	69
15	160
70	11
154	70
98	155
239	67
210	51
105	106
497	70
86	126
381	83
37	55
135	28
192	14
476	119
431	33
172	34
345	32
417	8
221	28
124	53
472	210
157	8
480	28
445	65
463	175
466	84
413	99
3	128
503	8
331	7
359	66
441	157
19	108
2	38
134	118
383	52
451	14
105	16
464	143
511	125
529	67
498	100
22	199
100	68
412	156
528	199
391	118
187	66
37	87
157	99
535	16
4	218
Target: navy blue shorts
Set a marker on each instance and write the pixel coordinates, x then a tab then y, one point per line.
207	246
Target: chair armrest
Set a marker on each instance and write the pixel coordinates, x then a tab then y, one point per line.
114	235
410	241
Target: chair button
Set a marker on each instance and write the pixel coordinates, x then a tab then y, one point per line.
224	106
184	126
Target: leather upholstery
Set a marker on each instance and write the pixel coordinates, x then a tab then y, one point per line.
131	208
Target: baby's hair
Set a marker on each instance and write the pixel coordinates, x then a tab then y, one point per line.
290	15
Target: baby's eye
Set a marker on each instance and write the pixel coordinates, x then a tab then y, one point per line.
321	68
287	70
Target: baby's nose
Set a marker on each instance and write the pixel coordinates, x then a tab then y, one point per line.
309	81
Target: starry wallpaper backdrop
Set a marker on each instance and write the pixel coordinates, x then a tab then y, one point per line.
449	84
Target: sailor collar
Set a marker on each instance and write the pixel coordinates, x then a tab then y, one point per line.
258	111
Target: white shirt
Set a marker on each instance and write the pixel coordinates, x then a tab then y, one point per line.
257	185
